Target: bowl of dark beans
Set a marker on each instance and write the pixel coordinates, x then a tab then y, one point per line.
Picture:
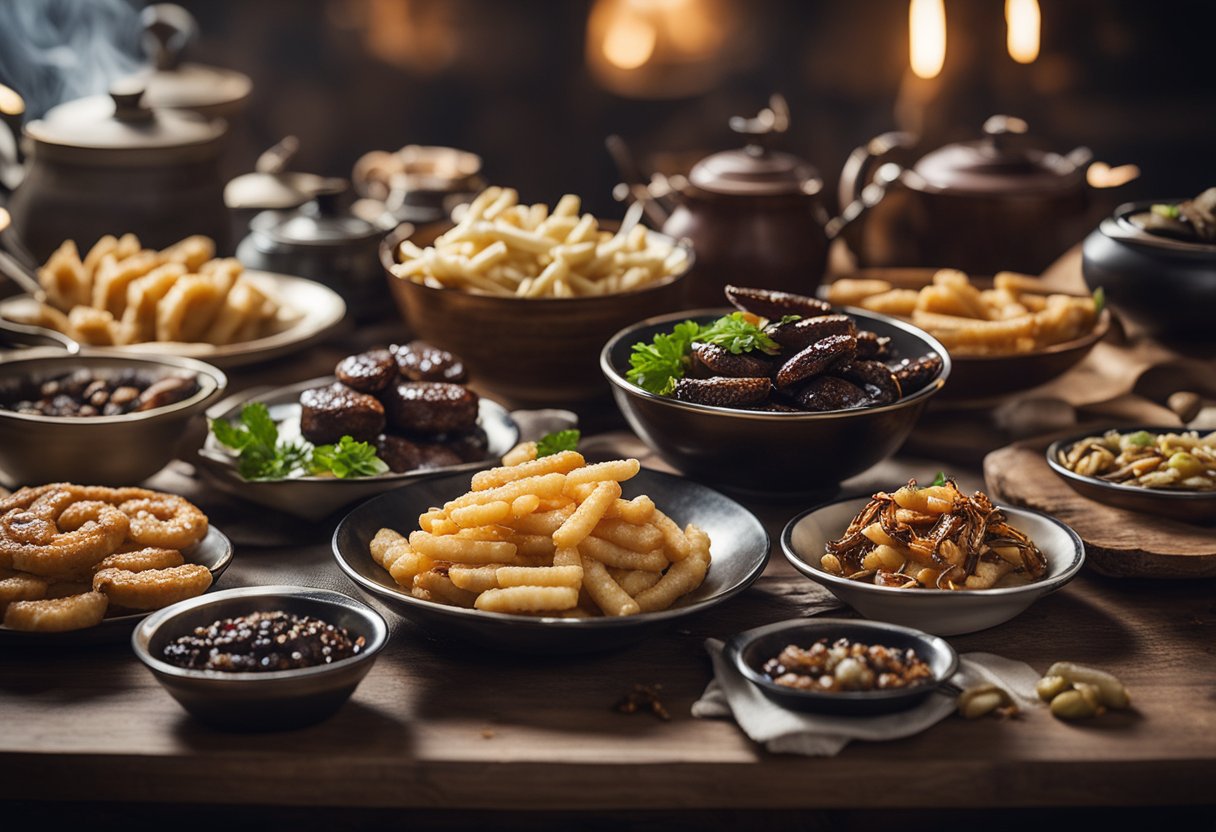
103	419
777	393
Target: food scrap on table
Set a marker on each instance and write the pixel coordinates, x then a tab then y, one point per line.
641	698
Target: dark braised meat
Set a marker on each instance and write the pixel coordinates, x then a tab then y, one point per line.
913	374
798	335
471	446
430	407
871	345
774	305
831	393
402	454
329	413
723	392
419	361
817	359
723	362
877	379
367	372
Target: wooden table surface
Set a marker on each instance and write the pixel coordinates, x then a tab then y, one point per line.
440	725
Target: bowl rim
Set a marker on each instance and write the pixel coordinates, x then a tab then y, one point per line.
406	231
1119	227
188	406
143	633
1047	585
737	645
1163	494
618	380
597	623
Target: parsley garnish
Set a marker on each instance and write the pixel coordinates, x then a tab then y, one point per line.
262	456
552	443
657	366
940	479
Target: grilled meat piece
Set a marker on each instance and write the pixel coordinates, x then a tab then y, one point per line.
723	362
430	406
798	335
419	361
915	374
329	413
367	372
818	358
831	393
723	392
774	305
402	454
871	345
877	379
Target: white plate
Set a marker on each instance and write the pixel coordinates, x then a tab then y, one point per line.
308	311
314	497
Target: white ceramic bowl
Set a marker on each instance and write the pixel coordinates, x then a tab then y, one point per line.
942	612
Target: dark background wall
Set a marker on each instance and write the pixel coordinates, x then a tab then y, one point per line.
508	79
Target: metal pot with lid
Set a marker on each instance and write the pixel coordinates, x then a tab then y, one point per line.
111	165
994	204
753	214
321	240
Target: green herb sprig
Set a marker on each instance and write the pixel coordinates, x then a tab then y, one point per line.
657	366
261	455
552	443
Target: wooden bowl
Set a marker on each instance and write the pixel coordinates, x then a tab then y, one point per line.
529	351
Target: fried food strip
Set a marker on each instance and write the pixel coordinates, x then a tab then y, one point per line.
149	557
560	463
32	540
74	612
682	578
19	586
523	599
607	594
165	520
152	588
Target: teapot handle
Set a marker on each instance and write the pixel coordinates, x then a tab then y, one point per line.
12	108
859	168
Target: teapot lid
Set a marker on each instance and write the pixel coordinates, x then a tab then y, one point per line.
755	170
320	222
168	29
121	121
997	165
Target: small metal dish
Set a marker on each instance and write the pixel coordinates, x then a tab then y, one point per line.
270	701
1186	505
748	651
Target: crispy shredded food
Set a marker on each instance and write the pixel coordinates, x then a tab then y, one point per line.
935	538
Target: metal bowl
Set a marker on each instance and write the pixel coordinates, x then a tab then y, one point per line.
944	612
273	700
740	550
769	452
531	351
98	450
748	652
1188	506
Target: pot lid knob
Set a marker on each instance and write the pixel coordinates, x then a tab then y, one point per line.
997	128
167	29
775	118
755	170
127	94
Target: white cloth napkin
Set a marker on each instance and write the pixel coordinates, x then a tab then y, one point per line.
783	731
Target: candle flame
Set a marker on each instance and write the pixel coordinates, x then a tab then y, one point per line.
1102	175
927	36
1023	21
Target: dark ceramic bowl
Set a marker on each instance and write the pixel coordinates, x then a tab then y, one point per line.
530	351
769	452
40	449
748	652
739	548
1164	285
1189	506
273	700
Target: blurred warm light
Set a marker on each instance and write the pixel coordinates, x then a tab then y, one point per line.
1022	21
658	48
927	36
629	42
417	35
11	104
1102	175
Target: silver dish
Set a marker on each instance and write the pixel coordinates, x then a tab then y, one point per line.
214	552
97	450
1180	504
740	550
273	700
943	612
748	652
313	497
308	312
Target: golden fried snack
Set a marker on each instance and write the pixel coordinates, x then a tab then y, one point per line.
95	327
166	521
36	543
192	252
152	588
113	277
20	586
138	560
64	278
73	612
143	297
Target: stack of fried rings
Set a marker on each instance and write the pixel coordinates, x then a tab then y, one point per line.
69	553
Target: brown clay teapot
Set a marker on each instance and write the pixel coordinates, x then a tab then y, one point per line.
983	206
111	165
753	214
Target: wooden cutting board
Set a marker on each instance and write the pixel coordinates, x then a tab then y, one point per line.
1118	543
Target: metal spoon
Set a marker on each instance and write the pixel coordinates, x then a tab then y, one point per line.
28	334
16	271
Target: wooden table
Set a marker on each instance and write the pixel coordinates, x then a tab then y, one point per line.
441	726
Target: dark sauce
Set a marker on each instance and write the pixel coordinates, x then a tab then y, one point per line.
263	641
